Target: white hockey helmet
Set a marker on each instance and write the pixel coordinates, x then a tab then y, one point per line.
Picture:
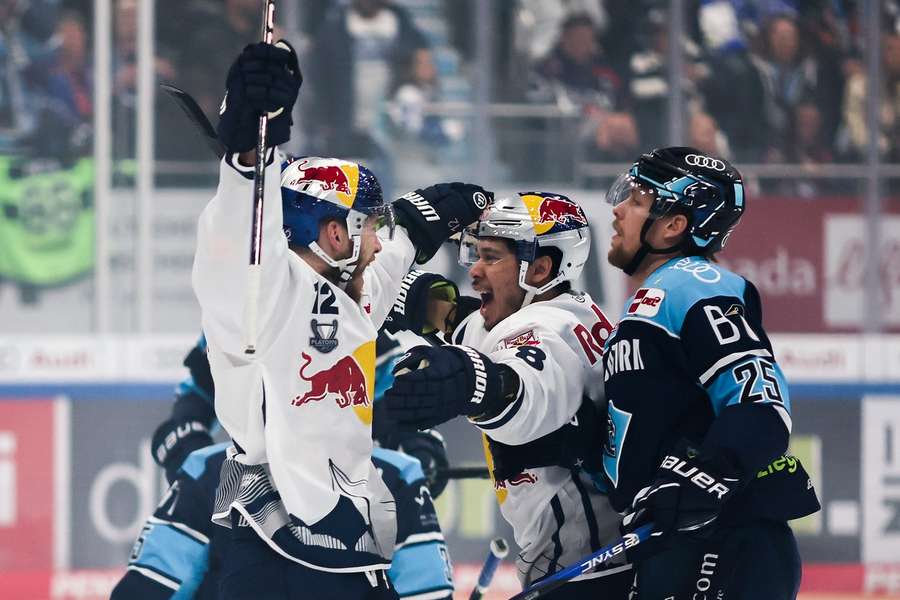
533	220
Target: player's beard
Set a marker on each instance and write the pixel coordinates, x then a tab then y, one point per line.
618	256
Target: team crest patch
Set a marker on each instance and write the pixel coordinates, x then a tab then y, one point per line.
646	302
324	337
526	338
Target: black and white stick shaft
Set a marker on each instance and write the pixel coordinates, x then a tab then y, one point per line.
196	115
498	551
251	316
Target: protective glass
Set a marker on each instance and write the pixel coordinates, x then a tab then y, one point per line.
382	220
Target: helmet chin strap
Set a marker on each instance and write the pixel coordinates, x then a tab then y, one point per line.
646	249
345	266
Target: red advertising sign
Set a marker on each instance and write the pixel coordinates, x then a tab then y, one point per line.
26	485
807	258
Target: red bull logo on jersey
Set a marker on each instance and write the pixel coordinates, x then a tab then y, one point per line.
344	380
350	381
521	479
526	338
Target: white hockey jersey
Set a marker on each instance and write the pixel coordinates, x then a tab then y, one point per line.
300	410
555	347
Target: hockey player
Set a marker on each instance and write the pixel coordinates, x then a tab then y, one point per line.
521	366
179	551
306	506
699	413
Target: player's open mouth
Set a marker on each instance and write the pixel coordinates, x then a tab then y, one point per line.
486	298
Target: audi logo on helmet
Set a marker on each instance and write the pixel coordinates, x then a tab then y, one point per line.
697	160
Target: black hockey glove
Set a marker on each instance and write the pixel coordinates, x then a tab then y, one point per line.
185	431
174	440
433	214
263	78
435	384
411	306
686	496
429	448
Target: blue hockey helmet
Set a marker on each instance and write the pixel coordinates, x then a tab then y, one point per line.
707	189
314	188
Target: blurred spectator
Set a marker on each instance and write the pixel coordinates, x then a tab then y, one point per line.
539	23
806	148
788	75
649	80
124	80
356	57
26	57
733	93
577	76
417	88
889	99
704	135
71	82
223	28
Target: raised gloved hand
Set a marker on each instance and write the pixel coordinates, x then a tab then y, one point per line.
428	447
686	496
263	78
431	215
435	384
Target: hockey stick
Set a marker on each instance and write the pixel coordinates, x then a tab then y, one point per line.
463	472
587	564
254	273
498	551
196	115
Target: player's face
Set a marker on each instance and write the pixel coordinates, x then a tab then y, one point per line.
370	245
630	215
495	276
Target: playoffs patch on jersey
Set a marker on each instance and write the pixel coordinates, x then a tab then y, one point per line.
646	302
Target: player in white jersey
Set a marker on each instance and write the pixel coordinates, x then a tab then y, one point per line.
521	367
306	506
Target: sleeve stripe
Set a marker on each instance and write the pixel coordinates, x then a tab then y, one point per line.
654	323
727	360
419	538
504	417
151	574
181	527
785	416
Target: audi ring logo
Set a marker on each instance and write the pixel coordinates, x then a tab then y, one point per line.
696	160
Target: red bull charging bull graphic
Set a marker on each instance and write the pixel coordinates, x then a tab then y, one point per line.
344	380
560	210
520	479
327	177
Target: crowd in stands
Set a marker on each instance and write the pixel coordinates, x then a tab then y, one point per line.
763	81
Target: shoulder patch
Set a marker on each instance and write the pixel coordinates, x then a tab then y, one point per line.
646	302
526	338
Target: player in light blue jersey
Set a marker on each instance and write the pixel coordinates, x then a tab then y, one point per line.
178	552
699	412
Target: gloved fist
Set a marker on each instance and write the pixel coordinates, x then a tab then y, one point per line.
686	495
410	310
264	78
429	448
431	215
435	384
174	440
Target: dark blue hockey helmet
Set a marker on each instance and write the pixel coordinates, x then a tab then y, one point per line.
314	188
707	189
